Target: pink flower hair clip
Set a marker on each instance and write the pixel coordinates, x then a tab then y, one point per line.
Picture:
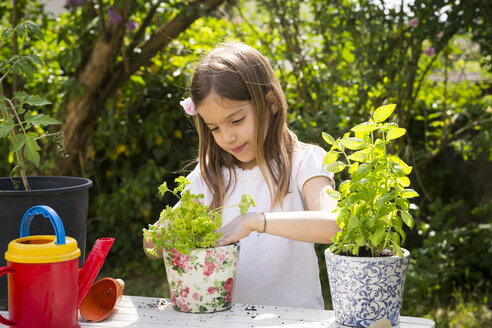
188	106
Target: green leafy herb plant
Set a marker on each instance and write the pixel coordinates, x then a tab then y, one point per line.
373	203
190	225
19	122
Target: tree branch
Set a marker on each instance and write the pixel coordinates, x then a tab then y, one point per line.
151	47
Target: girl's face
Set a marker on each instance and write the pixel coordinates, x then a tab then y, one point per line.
232	124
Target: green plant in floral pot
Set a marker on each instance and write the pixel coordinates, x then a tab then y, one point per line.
366	263
200	276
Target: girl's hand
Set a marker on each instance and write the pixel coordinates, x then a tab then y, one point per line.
240	227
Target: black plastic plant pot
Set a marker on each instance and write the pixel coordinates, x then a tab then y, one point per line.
68	196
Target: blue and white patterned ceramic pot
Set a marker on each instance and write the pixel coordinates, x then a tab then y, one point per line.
366	289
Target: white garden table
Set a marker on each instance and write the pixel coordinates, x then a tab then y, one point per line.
149	312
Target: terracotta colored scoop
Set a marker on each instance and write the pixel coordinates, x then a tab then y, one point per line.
102	297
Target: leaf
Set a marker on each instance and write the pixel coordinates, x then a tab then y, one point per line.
36	59
365	127
409	193
389	196
402	203
407	218
352	143
359	156
344	186
331	157
43	120
26	69
354	221
20	29
403	181
377	237
6	32
395	133
5	129
328	138
353	167
396	244
335	167
362	170
30	99
20	140
334	194
34	29
31	150
383	112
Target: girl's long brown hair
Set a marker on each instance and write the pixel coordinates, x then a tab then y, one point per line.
238	72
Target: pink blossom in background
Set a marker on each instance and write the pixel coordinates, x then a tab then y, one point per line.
440	34
211	290
429	51
196	297
132	25
113	16
413	22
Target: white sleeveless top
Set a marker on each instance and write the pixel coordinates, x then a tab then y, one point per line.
273	270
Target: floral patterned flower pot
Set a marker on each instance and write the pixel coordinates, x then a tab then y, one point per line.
203	281
366	289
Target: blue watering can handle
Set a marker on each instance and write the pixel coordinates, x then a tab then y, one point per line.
47	212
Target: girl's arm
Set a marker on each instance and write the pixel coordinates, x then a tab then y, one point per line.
317	225
149	244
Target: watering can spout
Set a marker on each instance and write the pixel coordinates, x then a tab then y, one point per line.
92	265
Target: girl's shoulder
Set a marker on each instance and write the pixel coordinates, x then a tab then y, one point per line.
308	161
304	150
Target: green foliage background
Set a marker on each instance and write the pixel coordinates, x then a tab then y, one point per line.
337	61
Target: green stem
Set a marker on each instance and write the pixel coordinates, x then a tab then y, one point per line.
18	155
386	185
372	146
47	135
17	116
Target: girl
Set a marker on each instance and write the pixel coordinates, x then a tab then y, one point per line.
245	147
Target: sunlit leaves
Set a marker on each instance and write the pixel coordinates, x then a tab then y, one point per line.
372	204
395	133
335	167
352	143
383	112
409	193
190	225
328	138
365	127
331	157
407	218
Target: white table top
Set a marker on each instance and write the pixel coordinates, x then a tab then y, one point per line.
136	311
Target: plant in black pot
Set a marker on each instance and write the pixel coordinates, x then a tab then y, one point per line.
366	263
22	125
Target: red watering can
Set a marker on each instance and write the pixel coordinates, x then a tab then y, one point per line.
45	286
